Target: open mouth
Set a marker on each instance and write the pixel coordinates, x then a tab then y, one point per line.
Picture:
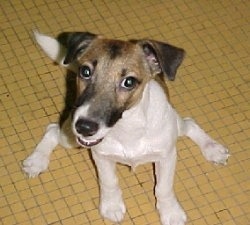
88	143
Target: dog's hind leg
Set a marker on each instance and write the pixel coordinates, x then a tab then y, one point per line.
211	150
38	161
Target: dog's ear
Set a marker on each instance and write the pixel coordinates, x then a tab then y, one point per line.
75	42
162	57
51	46
65	47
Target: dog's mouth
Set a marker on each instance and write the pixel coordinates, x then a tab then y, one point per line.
87	143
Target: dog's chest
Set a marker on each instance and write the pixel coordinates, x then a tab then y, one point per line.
144	133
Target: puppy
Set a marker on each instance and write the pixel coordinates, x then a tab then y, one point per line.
122	114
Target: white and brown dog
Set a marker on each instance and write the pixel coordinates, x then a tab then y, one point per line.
123	114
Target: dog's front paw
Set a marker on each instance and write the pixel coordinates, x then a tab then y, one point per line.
113	210
215	153
172	215
36	163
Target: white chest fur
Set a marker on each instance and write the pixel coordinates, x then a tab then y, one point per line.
145	132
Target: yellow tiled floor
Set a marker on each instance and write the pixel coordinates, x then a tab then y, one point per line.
212	86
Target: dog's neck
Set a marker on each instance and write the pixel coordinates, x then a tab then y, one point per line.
139	136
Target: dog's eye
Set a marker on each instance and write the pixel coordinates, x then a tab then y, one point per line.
85	72
129	83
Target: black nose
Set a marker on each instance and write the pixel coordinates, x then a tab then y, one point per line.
86	127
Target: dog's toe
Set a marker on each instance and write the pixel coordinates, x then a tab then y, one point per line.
35	164
216	153
113	212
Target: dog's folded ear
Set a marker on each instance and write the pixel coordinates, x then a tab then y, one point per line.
75	43
162	57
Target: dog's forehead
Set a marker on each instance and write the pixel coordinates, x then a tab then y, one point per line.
111	49
118	48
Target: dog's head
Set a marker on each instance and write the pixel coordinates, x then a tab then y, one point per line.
111	76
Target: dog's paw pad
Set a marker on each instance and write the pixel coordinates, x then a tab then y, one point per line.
216	153
112	211
35	164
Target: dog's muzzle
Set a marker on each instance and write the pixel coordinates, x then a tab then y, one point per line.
85	130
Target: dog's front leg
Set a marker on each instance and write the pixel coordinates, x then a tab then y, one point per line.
111	203
38	161
170	211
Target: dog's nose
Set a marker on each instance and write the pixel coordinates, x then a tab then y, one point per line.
86	127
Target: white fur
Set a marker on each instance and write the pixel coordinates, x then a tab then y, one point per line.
53	49
143	134
38	161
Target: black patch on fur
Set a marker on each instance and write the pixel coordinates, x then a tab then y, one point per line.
75	42
69	98
94	63
115	49
115	115
87	94
124	72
